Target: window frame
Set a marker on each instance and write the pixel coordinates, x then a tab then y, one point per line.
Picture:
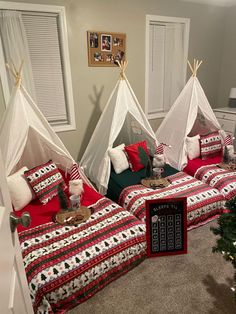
168	19
69	100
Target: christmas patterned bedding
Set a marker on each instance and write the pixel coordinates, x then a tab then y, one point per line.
218	178
204	203
65	265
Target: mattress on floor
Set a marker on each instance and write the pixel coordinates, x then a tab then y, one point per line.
218	178
204	203
120	181
66	265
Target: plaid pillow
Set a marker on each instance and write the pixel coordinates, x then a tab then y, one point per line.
44	180
210	145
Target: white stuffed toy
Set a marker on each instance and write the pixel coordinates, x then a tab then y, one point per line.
76	187
159	160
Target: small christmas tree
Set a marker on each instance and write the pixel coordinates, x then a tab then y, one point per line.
62	198
146	161
226	244
226	157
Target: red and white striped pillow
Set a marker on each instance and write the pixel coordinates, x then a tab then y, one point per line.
228	140
210	145
44	180
159	149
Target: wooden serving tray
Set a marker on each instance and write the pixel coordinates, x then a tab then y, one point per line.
73	217
155	183
230	167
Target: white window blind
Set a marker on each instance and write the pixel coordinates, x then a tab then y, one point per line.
166	62
43	36
156	68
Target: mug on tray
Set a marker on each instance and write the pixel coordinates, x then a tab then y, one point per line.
75	202
157	172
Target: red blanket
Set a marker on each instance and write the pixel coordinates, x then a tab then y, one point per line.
41	214
203	202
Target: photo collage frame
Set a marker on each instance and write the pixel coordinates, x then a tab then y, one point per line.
105	48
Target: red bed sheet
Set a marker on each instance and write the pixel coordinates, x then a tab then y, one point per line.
41	214
196	163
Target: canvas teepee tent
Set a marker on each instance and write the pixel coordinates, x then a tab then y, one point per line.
122	121
191	114
27	139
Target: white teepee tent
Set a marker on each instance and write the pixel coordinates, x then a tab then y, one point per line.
27	139
122	121
190	114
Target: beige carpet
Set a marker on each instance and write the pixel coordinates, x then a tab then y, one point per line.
198	282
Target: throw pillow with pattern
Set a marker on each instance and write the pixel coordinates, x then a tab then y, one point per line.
44	180
210	145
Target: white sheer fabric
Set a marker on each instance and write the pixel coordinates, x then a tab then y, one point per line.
16	48
191	112
122	121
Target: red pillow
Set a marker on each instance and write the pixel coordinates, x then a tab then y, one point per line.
210	145
133	155
44	180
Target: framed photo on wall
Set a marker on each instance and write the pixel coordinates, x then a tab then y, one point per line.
166	223
105	48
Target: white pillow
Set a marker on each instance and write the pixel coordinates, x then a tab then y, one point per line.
193	146
20	191
118	158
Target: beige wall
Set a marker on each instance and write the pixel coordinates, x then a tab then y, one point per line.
228	64
92	86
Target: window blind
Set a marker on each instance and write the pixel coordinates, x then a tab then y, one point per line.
166	62
156	68
43	35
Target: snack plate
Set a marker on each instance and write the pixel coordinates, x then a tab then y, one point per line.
229	166
73	217
155	183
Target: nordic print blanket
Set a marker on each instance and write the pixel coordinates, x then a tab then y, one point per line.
218	178
203	202
65	265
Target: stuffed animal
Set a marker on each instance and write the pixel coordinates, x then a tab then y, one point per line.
76	187
159	161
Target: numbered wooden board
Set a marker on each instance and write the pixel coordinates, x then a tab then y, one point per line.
166	222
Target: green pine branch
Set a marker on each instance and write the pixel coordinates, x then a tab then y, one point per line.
145	160
63	200
226	230
226	157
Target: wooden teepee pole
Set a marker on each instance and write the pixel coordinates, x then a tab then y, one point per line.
16	73
123	65
194	68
